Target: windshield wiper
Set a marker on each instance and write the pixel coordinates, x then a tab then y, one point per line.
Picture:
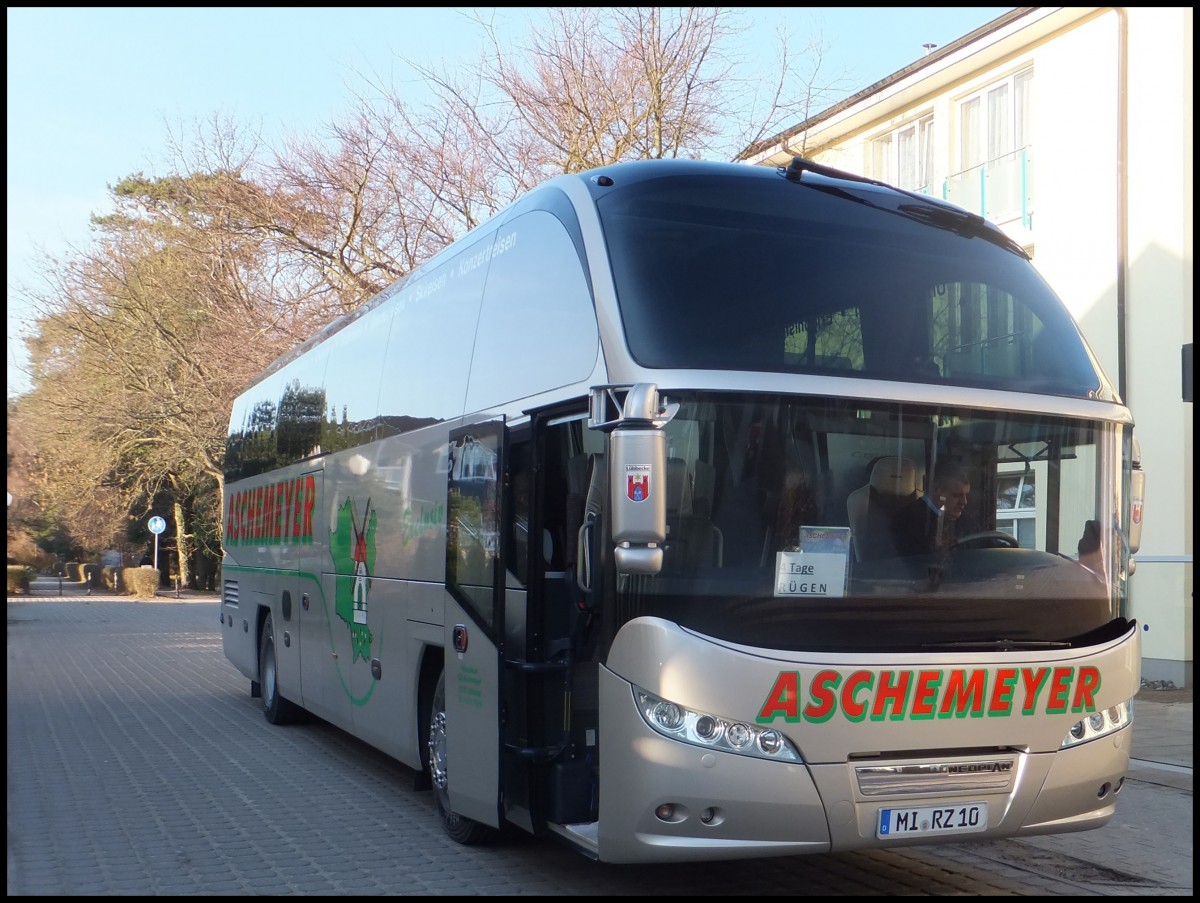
928	212
999	644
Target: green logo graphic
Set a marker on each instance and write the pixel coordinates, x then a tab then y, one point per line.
352	548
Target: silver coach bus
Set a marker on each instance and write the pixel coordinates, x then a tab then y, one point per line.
603	521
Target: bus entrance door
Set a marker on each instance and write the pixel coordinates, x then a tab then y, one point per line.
473	625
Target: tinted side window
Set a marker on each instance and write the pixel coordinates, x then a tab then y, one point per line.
301	408
252	434
537	329
429	344
235	440
352	382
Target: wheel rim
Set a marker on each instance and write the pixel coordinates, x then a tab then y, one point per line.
268	668
437	750
268	681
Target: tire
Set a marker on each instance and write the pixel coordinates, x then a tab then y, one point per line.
276	709
459	828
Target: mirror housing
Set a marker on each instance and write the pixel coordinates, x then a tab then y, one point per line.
637	463
1137	496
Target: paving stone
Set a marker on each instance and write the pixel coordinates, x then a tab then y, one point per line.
139	765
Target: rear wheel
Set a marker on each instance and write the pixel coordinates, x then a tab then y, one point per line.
460	828
276	709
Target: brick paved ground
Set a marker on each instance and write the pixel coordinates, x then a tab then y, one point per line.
138	764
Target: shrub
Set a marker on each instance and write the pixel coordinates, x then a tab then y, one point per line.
93	576
114	579
142	582
22	549
72	571
19	579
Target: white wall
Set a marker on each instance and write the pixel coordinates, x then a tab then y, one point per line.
1094	213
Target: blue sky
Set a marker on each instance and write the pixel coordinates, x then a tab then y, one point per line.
92	90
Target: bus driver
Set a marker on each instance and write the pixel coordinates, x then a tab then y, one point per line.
928	524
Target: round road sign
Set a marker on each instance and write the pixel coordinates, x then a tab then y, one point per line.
157	525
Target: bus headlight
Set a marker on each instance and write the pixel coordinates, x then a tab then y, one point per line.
712	731
1099	724
668	716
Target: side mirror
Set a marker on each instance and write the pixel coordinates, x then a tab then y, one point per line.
637	482
1137	496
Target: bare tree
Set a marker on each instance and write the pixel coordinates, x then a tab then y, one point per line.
594	86
202	277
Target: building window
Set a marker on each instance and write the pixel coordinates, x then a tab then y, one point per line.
904	157
995	151
996	121
1016	507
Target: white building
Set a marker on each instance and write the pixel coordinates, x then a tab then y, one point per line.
1070	127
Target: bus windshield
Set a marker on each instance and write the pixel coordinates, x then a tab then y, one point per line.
725	273
813	524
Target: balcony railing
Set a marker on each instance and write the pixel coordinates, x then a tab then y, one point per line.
1000	190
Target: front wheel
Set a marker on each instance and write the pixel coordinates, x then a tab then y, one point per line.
276	709
459	828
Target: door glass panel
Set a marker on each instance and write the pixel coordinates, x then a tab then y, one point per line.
473	522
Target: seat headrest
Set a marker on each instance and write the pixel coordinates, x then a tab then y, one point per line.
894	476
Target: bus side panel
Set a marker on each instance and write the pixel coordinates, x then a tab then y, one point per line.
383	685
239	634
389	716
325	641
385	513
271	559
239	627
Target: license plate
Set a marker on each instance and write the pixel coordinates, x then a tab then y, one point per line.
929	821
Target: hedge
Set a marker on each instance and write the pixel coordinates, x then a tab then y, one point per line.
142	582
20	577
